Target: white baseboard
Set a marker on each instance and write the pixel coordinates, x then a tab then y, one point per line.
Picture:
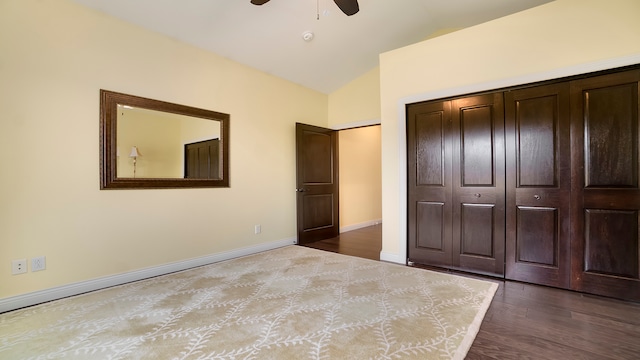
37	297
360	225
394	258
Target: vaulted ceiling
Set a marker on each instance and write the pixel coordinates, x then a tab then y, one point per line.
270	37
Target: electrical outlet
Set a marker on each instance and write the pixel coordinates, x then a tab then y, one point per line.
38	263
19	266
257	229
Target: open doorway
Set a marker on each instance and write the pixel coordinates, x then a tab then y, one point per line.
360	195
360	177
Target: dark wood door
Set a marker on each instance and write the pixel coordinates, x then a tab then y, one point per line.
316	183
538	185
202	160
606	203
478	184
456	183
429	183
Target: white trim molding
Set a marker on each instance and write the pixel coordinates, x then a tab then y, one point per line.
394	258
356	124
37	297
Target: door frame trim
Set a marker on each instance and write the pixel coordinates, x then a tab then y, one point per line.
356	124
400	121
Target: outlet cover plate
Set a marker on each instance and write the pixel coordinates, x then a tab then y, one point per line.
19	266
38	263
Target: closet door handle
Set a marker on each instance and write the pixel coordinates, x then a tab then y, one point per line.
477	195
537	197
300	190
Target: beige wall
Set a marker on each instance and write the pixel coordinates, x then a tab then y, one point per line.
357	102
360	176
55	56
557	39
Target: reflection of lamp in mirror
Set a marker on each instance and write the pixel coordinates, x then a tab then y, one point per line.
134	155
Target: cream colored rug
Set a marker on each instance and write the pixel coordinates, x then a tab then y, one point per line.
289	303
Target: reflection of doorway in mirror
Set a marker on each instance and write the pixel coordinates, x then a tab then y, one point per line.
202	160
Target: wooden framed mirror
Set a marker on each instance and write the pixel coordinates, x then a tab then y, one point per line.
147	144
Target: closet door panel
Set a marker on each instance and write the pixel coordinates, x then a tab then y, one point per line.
476	143
430	226
538	240
537	119
611	136
477	230
606	204
606	237
429	183
430	142
538	184
478	184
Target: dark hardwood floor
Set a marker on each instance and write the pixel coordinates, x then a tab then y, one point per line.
365	242
529	321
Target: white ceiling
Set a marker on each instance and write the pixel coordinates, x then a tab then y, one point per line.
269	37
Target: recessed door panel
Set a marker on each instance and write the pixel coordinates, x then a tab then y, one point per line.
430	148
611	243
318	212
318	154
477	230
476	134
431	221
611	136
537	236
536	131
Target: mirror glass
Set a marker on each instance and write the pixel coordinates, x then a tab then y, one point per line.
154	144
164	143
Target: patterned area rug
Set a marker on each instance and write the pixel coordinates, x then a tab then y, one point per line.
289	303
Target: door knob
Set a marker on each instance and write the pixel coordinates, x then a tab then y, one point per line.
477	195
300	190
537	197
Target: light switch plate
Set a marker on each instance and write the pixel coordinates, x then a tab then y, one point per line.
38	263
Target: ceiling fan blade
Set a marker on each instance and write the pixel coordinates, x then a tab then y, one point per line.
259	2
349	7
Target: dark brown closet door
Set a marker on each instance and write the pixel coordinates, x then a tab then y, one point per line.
478	184
606	204
429	183
538	185
201	160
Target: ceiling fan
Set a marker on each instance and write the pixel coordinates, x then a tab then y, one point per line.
349	7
